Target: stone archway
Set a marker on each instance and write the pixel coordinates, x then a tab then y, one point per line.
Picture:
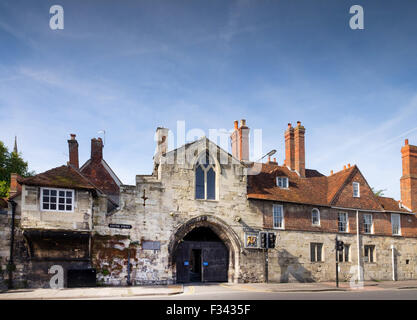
221	229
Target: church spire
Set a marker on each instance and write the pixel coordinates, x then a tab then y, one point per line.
15	145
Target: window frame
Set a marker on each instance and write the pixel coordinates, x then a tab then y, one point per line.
346	222
205	167
282	227
399	224
372	255
41	202
358	188
316	246
345	253
318	217
364	223
282	178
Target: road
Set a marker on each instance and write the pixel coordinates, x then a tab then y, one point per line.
220	292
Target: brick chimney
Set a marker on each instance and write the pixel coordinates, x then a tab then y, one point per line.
15	187
299	150
96	149
73	151
408	180
289	160
240	141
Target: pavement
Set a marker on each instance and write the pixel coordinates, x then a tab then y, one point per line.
172	290
90	293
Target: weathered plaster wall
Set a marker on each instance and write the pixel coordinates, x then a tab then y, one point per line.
33	217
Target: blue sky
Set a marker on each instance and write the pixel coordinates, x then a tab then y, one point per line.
130	66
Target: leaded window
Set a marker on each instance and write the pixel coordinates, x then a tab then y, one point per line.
205	178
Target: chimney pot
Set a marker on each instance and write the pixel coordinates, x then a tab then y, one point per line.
240	141
236	124
331	172
344	167
348	165
275	160
289	125
406	141
73	151
298	123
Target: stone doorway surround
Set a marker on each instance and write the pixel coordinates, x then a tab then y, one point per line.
221	229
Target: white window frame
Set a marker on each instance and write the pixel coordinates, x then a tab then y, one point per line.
318	217
357	184
346	222
396	215
57	203
344	252
316	245
275	216
372	223
373	253
280	183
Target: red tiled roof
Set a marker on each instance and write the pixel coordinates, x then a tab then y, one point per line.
390	204
316	189
60	177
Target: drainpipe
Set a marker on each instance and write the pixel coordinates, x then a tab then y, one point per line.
11	260
393	262
359	246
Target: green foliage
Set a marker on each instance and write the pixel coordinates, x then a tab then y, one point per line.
11	162
4	189
378	193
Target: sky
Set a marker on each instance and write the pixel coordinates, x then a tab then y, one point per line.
127	67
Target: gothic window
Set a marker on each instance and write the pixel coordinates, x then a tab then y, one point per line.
205	178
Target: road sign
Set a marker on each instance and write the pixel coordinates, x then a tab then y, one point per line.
120	226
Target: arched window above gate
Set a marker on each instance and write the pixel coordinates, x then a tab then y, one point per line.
205	178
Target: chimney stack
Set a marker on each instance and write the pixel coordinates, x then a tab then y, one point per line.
96	149
73	151
299	150
408	180
289	148
161	138
15	187
240	141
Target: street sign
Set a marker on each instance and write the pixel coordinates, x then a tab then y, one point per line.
120	226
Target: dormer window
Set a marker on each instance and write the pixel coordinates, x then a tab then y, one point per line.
282	182
57	200
356	190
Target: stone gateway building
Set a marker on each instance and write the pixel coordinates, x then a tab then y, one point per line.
201	216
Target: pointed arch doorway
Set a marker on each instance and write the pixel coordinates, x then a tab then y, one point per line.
204	250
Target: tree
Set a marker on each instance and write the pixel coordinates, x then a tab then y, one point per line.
11	162
378	193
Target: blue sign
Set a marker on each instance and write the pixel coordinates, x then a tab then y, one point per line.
186	263
205	263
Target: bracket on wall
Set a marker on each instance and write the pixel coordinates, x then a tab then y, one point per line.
144	197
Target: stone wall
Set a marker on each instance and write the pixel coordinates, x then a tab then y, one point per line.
34	218
171	205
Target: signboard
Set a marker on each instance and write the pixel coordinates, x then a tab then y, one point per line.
205	263
151	245
186	263
251	240
120	226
